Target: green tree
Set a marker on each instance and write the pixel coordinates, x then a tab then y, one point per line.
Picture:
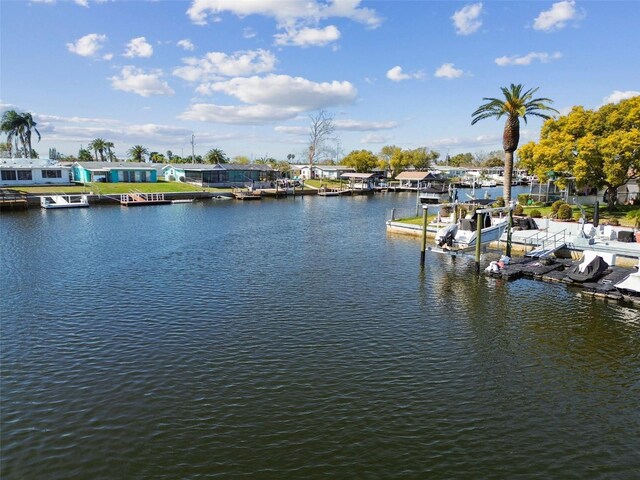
98	145
241	160
600	148
110	154
18	127
515	105
138	153
461	159
156	157
215	155
361	160
386	158
84	155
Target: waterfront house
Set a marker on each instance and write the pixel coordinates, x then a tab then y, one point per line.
33	171
222	174
115	172
333	172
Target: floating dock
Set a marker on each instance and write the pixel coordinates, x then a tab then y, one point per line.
134	199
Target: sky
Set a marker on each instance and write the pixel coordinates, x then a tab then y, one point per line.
247	76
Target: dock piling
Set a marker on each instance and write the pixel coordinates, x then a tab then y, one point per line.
478	239
423	248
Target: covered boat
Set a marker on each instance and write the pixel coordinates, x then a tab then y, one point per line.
589	270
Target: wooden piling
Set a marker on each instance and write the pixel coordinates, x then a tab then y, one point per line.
423	248
478	240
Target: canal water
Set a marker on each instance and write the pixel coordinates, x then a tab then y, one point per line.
295	338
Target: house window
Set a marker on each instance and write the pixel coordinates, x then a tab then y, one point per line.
8	175
24	175
51	173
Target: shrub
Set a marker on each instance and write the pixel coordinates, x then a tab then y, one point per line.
518	210
555	206
634	215
535	213
577	216
499	202
565	212
615	222
523	198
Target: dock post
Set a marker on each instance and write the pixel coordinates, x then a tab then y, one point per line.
478	240
423	248
509	228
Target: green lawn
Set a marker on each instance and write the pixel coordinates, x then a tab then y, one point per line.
325	182
116	188
619	213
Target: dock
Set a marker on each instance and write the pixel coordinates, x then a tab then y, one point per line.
134	199
240	194
13	200
556	270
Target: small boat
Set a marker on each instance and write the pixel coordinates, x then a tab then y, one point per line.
182	200
64	201
464	234
221	197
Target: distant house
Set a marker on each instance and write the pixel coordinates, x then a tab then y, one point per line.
222	174
115	172
418	179
33	171
324	171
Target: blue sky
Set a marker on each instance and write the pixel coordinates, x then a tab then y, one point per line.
245	75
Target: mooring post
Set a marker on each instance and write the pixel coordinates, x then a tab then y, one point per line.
423	248
509	228
596	214
479	221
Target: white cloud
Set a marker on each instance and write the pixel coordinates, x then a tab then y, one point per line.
82	3
292	130
557	16
268	99
138	47
286	12
248	32
216	65
373	138
186	44
135	80
527	59
619	95
285	91
447	70
306	37
397	75
469	142
363	126
107	56
87	46
244	114
467	19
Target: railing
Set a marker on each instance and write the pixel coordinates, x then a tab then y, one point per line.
548	243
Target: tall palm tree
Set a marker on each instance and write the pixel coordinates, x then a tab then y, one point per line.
515	104
18	127
98	146
137	153
110	155
215	155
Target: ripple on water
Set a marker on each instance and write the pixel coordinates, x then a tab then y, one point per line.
295	339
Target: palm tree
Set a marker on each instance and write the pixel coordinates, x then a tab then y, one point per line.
110	155
137	153
516	104
98	146
215	155
17	127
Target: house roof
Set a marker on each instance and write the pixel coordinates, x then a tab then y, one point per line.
412	176
357	175
334	168
106	166
30	163
204	167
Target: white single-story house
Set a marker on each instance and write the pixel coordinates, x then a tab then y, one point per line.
33	171
324	171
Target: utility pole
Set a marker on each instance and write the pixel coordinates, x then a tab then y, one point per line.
193	148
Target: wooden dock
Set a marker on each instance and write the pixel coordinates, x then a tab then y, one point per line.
13	200
135	199
239	194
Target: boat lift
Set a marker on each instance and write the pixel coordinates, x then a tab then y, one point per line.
478	244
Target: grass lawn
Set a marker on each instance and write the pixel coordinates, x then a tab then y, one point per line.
325	182
116	188
416	220
619	213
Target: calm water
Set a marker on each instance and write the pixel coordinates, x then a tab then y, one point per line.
296	339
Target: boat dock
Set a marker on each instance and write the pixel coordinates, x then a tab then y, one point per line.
64	201
12	200
240	194
134	199
556	271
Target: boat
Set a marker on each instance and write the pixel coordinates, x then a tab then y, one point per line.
463	234
182	200
488	183
434	195
64	201
221	197
630	285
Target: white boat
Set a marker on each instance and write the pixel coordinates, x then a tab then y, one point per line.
488	184
464	234
63	201
182	200
631	284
